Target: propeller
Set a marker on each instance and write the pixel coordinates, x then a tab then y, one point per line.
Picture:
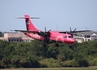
72	32
45	29
46	35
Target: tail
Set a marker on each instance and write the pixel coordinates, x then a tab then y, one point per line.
29	24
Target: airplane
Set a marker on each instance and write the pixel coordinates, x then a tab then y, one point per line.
46	36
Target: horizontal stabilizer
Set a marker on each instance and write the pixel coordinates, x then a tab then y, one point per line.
27	17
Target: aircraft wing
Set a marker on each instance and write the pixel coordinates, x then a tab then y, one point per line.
25	31
74	31
41	33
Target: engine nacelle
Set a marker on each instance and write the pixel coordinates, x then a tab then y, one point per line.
41	33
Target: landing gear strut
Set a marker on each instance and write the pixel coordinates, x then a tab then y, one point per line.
56	44
70	46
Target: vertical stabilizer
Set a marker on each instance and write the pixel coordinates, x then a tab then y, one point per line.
29	24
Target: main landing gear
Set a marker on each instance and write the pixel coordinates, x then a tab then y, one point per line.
57	45
70	46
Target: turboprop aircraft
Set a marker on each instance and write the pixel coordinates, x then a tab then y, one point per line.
46	36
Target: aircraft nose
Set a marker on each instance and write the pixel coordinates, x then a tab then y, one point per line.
70	41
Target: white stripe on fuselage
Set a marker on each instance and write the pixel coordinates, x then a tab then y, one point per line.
35	36
60	37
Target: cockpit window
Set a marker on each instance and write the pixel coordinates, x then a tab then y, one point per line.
70	36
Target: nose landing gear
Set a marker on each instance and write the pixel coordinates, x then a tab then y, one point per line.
70	46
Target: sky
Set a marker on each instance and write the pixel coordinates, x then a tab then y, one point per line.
53	14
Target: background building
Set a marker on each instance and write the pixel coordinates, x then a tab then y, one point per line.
15	36
85	36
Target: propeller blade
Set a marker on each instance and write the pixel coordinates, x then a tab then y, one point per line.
45	29
70	29
75	29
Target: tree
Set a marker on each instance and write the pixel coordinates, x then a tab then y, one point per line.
1	34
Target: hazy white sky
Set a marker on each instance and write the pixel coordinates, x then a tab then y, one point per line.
54	14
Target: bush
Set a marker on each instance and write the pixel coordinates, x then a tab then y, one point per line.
49	62
70	63
93	62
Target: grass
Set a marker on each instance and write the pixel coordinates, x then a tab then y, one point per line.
71	68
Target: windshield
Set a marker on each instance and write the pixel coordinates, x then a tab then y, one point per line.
68	36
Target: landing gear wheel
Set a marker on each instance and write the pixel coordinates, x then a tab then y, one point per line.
57	45
44	45
70	46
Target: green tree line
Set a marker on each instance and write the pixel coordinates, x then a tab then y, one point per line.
34	54
1	34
